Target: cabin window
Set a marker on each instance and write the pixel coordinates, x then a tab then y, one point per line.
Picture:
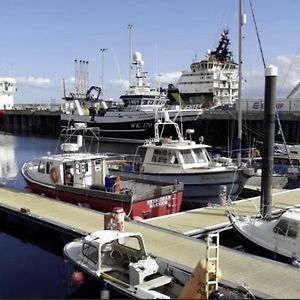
164	156
97	165
48	167
130	242
293	230
281	227
287	228
90	252
200	155
187	156
42	167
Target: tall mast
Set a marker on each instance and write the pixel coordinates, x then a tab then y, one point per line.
102	70
130	26
242	21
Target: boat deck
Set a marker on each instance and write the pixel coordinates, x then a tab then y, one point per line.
270	279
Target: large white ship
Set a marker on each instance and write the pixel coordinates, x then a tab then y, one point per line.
212	81
7	90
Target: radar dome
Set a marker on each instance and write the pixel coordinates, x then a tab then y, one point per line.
137	56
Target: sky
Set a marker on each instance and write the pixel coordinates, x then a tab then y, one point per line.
40	41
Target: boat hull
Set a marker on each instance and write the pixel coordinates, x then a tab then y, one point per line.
138	126
150	205
201	188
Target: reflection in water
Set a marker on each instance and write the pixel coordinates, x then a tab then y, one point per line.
8	164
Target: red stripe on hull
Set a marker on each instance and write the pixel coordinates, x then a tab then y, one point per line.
147	208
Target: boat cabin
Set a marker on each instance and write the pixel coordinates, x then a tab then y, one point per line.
175	155
76	170
288	225
115	251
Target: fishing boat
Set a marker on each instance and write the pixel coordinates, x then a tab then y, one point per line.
140	107
181	159
120	260
277	235
213	81
79	176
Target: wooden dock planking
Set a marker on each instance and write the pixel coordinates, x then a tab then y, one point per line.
199	220
269	278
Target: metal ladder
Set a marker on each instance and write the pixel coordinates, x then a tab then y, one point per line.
212	263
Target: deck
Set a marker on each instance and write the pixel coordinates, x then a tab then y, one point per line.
270	279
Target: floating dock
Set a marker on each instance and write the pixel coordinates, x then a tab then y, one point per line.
166	237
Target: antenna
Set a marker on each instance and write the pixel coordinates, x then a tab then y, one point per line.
64	88
102	50
130	26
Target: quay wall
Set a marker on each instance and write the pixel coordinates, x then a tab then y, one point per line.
218	127
31	122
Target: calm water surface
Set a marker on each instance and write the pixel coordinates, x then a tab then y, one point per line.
28	270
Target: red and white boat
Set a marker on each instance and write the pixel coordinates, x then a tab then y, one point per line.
83	178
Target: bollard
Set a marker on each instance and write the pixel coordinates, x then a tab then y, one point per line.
119	218
108	224
222	194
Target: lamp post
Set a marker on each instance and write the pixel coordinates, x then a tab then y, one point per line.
102	70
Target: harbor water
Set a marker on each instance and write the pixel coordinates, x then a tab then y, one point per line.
31	268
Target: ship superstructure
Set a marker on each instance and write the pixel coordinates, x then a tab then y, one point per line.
7	90
212	81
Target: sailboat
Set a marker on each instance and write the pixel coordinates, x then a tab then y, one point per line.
277	233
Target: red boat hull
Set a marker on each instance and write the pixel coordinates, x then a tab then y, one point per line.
144	208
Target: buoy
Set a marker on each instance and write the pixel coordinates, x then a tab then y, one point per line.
78	277
27	189
104	292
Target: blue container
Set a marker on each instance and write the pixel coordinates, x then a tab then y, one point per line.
110	181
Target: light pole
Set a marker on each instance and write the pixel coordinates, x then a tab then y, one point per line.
102	70
130	26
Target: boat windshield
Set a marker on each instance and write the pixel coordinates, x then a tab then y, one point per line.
131	242
287	228
90	252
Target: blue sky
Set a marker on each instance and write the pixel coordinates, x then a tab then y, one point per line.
41	40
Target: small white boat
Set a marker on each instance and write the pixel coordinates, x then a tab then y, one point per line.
120	260
279	234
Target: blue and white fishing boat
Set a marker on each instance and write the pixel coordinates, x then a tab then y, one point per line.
183	160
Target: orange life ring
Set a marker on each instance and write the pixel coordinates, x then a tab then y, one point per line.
54	174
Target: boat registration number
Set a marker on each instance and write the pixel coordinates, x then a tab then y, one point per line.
161	201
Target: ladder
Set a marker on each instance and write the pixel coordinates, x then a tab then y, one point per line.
212	263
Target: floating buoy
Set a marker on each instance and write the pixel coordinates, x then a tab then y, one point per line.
138	219
104	292
27	189
78	277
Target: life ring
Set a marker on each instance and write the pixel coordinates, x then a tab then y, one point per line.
54	175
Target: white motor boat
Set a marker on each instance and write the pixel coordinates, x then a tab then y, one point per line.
120	260
278	234
183	160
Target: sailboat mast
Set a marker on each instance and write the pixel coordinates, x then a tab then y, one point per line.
242	21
